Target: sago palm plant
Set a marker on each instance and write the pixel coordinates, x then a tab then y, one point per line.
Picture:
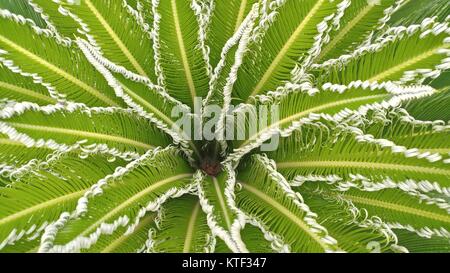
354	153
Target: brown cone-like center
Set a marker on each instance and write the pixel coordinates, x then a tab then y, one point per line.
211	167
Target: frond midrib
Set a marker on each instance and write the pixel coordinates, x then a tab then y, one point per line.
59	71
309	111
436	150
148	105
161	115
408	134
46	204
27	92
191	227
80	133
182	49
401	66
344	31
122	239
116	39
5	141
397	207
364	165
279	207
285	48
132	199
240	16
222	202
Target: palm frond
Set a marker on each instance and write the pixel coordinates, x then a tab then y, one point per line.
31	204
402	54
103	22
123	242
18	88
225	74
224	126
185	67
223	220
288	32
225	22
182	228
417	244
265	196
255	240
349	226
356	24
297	105
73	123
21	51
414	11
396	207
439	101
23	8
123	202
324	155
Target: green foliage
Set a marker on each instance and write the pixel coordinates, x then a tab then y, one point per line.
92	159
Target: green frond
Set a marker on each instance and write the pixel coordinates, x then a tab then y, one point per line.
436	105
127	87
223	219
18	88
182	62
414	11
330	120
144	9
23	8
33	53
152	100
394	206
124	202
308	154
230	59
108	25
295	106
342	224
55	19
416	244
401	54
228	16
221	247
388	211
118	128
281	45
27	206
429	138
135	3
264	197
356	24
15	154
254	240
182	228
123	242
212	189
